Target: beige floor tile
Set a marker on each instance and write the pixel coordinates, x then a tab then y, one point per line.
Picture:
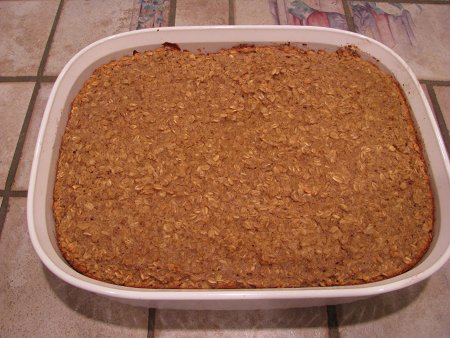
24	30
443	96
23	171
308	322
84	22
417	311
418	33
35	303
254	12
201	12
14	100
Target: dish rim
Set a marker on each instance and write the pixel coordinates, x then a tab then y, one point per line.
107	289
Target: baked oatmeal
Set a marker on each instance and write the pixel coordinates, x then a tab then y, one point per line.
252	167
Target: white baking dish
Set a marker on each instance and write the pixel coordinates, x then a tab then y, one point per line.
40	217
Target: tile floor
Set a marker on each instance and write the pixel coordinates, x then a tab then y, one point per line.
37	37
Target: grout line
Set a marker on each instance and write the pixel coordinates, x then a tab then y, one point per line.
18	193
49	43
23	132
439	117
333	326
284	16
275	11
3	211
172	12
435	83
231	8
49	78
348	16
151	323
136	10
26	78
18	78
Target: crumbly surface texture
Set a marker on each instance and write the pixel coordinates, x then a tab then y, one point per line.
254	167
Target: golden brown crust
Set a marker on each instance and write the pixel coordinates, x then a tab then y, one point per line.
252	167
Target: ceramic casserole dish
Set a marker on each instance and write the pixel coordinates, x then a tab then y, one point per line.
209	39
